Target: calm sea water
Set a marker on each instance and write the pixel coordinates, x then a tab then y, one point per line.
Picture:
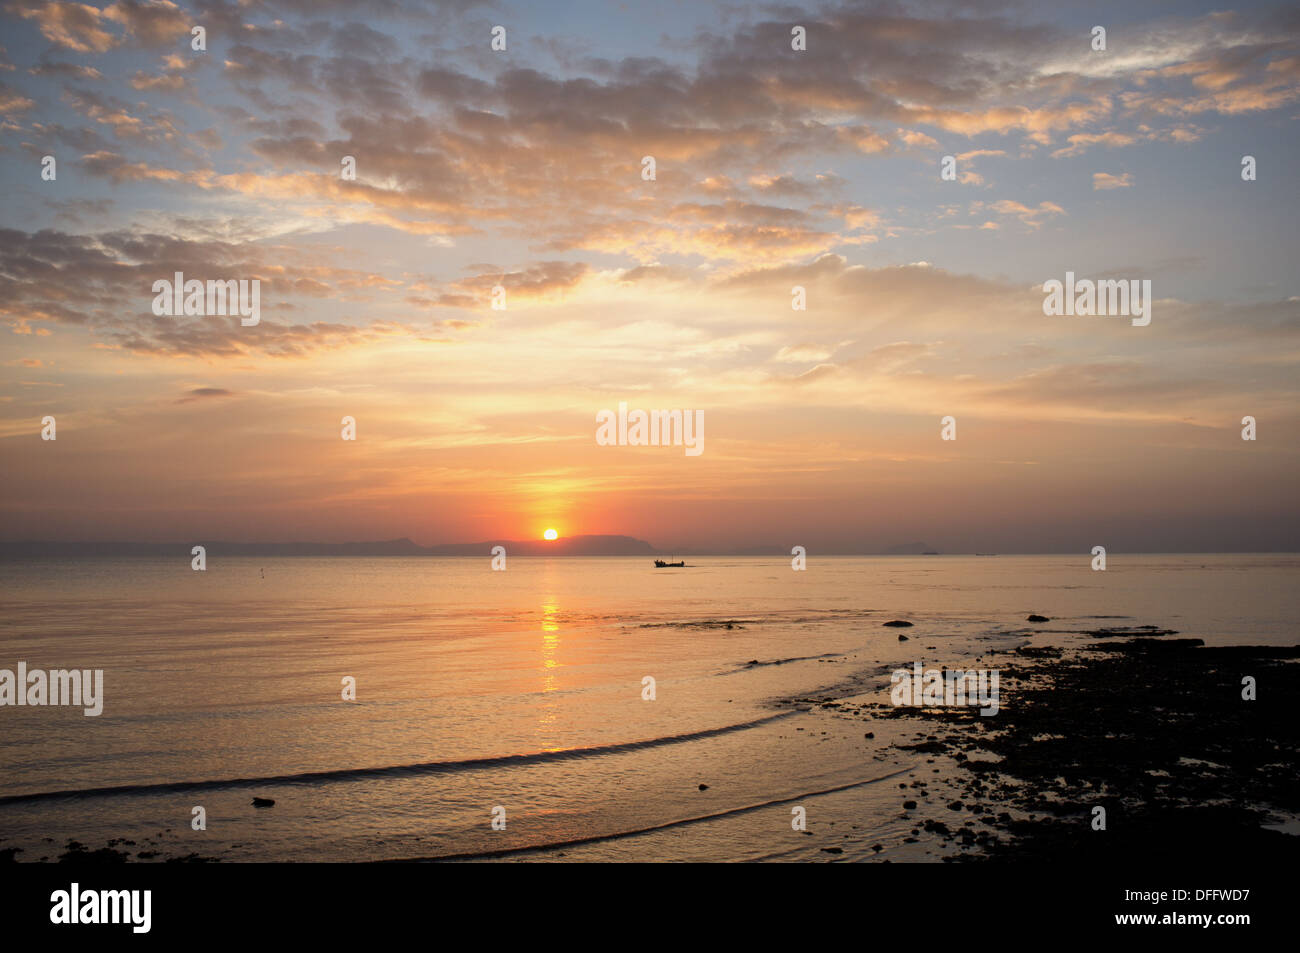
523	690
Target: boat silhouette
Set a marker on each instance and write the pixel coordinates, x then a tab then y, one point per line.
661	564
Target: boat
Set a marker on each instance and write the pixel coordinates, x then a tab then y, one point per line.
660	564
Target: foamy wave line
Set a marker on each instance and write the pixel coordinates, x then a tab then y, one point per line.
392	771
637	832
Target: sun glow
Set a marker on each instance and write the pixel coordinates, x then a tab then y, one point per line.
551	534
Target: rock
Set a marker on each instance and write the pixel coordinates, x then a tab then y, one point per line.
263	802
898	624
869	734
704	787
1038	618
909	805
903	638
832	850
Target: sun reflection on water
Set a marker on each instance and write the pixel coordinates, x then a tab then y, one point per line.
550	661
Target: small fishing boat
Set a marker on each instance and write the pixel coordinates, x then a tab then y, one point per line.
661	564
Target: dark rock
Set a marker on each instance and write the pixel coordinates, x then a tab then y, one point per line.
263	802
78	854
1038	618
898	624
704	787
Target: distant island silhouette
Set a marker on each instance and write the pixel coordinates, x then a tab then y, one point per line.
609	545
564	546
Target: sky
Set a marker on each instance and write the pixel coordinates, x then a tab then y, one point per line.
775	168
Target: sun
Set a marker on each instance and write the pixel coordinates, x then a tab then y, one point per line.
551	534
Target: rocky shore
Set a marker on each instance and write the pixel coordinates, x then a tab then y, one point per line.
1153	729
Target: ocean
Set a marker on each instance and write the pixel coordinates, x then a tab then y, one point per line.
506	714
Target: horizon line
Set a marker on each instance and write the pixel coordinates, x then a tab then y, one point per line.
15	548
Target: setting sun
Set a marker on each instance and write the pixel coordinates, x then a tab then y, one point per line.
550	534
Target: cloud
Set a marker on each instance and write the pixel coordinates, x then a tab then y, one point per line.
71	26
744	139
1104	180
916	139
224	337
81	28
1031	216
12	101
803	354
204	393
103	283
80	71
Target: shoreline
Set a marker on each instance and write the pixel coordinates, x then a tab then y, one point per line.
1150	728
1128	718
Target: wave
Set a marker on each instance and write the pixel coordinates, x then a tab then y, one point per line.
759	663
637	832
391	771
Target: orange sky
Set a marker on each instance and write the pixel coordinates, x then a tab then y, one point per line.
523	170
